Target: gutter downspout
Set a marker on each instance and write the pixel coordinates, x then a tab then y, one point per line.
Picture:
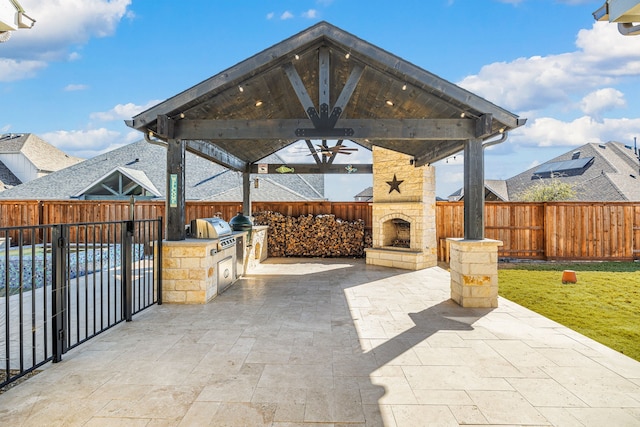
502	139
154	141
628	29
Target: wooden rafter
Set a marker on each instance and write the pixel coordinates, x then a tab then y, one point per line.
286	129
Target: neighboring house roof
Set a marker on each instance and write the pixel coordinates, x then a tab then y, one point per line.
7	178
598	172
365	195
44	156
612	175
498	187
146	164
494	190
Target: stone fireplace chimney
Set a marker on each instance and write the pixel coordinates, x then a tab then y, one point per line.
404	226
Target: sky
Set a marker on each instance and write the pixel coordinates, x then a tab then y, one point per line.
88	65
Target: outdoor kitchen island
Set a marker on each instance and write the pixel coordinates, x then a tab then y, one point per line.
196	270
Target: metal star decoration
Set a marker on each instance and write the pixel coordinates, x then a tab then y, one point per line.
395	184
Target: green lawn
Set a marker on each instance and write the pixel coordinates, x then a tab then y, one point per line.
604	305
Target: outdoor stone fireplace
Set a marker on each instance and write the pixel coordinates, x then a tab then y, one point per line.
403	228
396	233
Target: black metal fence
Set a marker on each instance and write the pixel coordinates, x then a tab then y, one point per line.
61	285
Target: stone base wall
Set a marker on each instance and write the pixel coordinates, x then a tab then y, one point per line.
257	252
400	258
188	271
474	272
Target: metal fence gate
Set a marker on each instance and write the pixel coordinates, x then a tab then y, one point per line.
61	285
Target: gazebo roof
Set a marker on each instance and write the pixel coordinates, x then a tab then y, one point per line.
323	83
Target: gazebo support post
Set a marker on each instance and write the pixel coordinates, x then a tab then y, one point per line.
175	200
474	259
473	190
246	193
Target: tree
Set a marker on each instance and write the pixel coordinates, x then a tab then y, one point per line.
552	190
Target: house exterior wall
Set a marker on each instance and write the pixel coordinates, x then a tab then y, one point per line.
20	166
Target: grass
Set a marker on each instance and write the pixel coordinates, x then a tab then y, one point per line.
604	305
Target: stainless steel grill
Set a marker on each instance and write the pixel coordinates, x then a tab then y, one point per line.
227	242
210	228
226	254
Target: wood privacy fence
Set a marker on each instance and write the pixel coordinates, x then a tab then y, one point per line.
554	231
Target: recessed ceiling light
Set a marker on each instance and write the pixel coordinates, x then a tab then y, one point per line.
347	55
258	103
240	88
404	87
297	56
389	102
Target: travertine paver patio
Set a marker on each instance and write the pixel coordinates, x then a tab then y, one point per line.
333	342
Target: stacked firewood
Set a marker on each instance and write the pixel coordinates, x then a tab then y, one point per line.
312	236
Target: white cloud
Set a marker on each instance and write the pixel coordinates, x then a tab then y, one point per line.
60	25
311	13
537	82
11	69
75	87
286	15
270	15
548	132
122	111
84	143
602	100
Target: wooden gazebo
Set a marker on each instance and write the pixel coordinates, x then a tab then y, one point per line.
323	84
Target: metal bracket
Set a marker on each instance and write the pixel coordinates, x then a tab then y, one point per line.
324	124
324	133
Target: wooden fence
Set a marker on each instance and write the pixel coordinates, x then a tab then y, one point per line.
553	231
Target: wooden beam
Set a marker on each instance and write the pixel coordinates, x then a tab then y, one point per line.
437	152
484	126
323	77
349	87
215	154
300	91
175	199
313	151
165	128
473	190
286	129
310	168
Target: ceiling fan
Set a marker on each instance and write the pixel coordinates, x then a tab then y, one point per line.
327	151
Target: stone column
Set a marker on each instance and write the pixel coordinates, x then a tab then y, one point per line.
403	191
474	272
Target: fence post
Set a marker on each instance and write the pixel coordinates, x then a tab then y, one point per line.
158	266
59	243
127	266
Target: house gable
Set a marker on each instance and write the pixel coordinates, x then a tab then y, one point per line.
120	183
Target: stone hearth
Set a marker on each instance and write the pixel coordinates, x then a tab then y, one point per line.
404	234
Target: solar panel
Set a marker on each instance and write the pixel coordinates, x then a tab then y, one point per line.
565	165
